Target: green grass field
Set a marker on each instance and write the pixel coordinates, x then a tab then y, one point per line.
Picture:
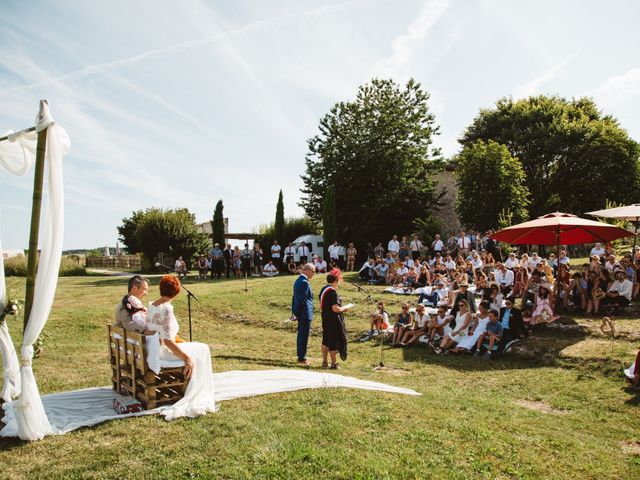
558	409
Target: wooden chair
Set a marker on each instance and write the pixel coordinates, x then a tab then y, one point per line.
131	374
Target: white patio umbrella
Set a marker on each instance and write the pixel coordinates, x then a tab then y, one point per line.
117	250
630	213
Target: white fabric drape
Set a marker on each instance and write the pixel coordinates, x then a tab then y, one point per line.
31	420
10	365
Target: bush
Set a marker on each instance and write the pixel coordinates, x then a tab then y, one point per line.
17	267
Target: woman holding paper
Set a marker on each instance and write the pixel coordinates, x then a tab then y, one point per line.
334	333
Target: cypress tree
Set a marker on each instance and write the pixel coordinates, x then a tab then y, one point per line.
279	224
217	225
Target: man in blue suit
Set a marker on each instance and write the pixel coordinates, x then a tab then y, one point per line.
302	310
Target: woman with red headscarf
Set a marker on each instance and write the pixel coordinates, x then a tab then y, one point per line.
199	395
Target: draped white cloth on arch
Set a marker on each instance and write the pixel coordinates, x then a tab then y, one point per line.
18	155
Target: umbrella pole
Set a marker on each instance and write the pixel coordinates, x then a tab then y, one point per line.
558	268
635	241
35	224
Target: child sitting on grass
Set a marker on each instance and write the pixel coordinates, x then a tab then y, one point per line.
491	335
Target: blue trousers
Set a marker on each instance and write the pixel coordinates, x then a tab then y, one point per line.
304	327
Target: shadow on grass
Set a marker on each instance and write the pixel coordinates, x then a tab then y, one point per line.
257	361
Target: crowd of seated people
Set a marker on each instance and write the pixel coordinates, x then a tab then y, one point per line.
485	299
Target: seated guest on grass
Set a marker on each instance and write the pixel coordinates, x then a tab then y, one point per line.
292	268
419	327
477	327
379	319
270	270
320	264
492	335
138	288
512	324
403	322
495	297
511	262
460	328
381	269
365	273
439	325
543	311
450	263
467	296
504	278
620	291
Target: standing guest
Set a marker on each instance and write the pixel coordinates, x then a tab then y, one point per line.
416	247
342	257
202	267
452	244
227	254
258	258
289	253
370	252
137	287
245	257
217	261
302	310
394	245
597	250
405	248
237	262
379	250
403	321
334	333
463	244
351	257
303	253
334	252
437	246
270	270
276	254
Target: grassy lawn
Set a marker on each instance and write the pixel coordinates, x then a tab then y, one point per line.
558	409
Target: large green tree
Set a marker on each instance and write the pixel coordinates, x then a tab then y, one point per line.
574	156
294	227
377	152
329	217
156	230
490	182
217	224
279	223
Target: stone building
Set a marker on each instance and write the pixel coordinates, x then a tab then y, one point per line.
446	214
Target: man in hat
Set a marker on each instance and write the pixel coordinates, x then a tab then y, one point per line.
619	294
217	262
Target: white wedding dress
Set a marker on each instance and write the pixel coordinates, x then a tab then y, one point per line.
199	396
471	339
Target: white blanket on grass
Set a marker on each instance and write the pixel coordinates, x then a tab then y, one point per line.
69	411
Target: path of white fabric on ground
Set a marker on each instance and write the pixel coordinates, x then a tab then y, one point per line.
68	411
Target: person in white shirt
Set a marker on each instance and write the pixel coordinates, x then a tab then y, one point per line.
270	270
597	250
450	263
511	262
534	261
394	245
476	262
564	259
275	254
416	246
289	252
321	265
303	253
620	291
437	245
401	271
463	245
334	251
504	278
408	262
611	263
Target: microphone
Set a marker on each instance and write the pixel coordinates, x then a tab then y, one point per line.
160	265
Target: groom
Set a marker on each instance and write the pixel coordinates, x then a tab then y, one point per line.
302	310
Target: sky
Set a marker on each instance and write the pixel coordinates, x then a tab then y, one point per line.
180	104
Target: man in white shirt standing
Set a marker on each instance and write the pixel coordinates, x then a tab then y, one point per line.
437	245
416	246
597	250
620	291
289	252
463	245
334	252
303	253
394	246
276	254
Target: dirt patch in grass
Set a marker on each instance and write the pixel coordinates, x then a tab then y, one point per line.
396	372
540	407
630	447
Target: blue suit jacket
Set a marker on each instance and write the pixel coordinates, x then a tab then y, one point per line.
302	302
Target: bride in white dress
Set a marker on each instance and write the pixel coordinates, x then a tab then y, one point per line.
482	320
199	395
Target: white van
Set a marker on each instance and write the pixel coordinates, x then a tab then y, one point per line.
315	243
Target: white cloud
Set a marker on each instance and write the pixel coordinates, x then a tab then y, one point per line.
404	45
618	89
533	86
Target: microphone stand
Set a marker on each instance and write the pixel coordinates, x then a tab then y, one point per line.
189	296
